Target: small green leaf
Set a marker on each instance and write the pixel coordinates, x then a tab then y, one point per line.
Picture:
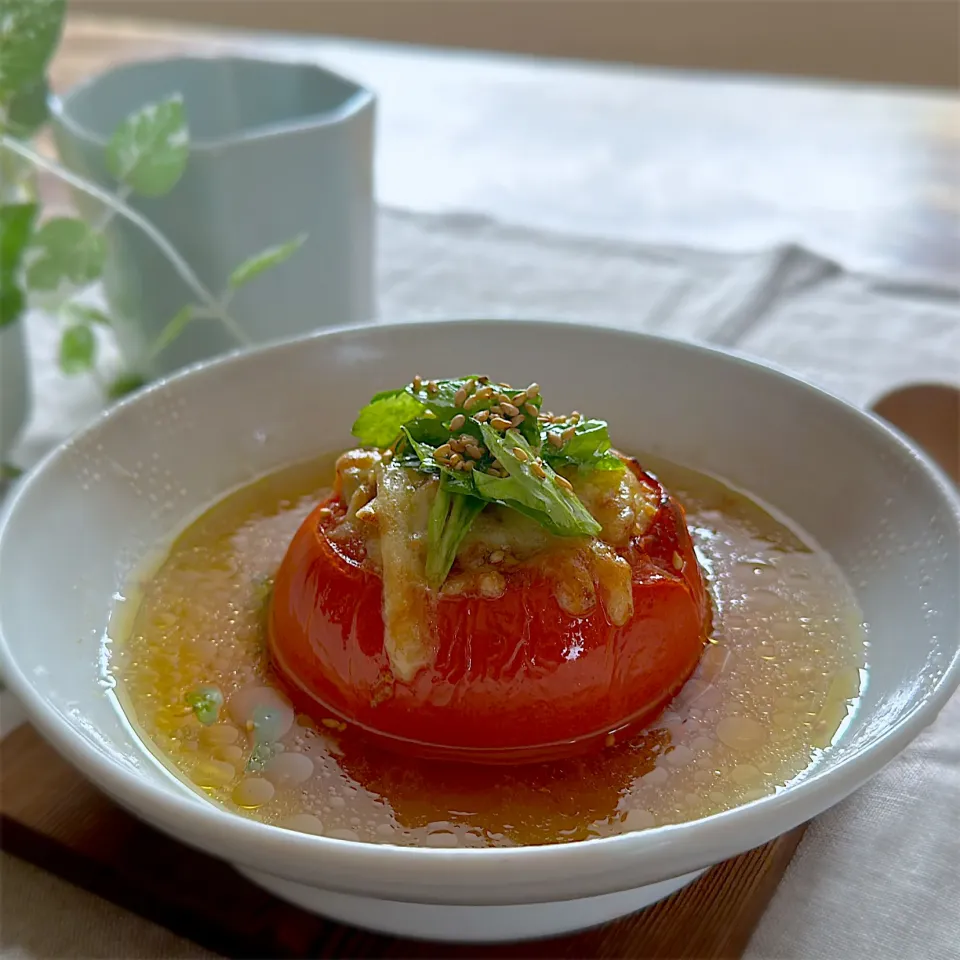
149	150
206	703
123	384
271	257
11	302
82	313
588	447
28	111
378	424
16	225
29	33
539	497
173	329
78	349
451	516
64	249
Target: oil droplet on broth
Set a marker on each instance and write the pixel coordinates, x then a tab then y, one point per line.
768	696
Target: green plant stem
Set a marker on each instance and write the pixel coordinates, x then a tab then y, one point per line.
210	303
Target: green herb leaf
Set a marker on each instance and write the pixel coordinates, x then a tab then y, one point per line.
588	447
451	516
27	112
82	313
124	384
545	500
78	349
379	423
149	150
16	225
29	33
206	703
173	329
271	257
64	249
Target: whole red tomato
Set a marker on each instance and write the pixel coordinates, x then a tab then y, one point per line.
515	678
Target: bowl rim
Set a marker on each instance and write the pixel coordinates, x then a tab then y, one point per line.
657	853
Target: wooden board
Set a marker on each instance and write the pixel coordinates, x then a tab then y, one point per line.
51	816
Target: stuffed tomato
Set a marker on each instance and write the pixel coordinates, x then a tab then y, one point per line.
488	582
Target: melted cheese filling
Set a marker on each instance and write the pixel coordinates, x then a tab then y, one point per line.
388	506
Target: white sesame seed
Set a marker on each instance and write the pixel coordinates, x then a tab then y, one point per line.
563	482
443	451
417	383
457	422
498	423
509	409
459	397
677	561
517	420
481	416
568	434
496	556
531	410
455	458
474	451
521	454
519	398
470	403
533	389
555	439
537	470
432	387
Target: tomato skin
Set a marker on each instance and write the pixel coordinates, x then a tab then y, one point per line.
516	678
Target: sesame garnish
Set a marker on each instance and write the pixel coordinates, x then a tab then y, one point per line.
521	454
324	513
483	380
481	416
432	387
459	397
457	422
555	439
417	383
530	410
470	386
517	420
568	434
457	446
496	556
575	416
455	458
484	393
443	451
519	398
498	423
677	561
537	470
474	452
466	466
470	403
532	390
563	482
509	409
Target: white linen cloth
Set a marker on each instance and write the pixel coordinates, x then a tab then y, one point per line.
878	876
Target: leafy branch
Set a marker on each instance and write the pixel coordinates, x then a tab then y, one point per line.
58	260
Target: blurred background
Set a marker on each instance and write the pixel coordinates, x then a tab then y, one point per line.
912	42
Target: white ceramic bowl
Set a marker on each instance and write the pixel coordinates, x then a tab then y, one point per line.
93	510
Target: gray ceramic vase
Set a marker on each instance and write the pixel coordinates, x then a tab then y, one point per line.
277	149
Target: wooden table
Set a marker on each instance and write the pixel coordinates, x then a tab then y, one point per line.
867	175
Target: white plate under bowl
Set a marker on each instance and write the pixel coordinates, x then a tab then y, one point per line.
90	513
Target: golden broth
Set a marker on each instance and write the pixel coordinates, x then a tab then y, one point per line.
780	678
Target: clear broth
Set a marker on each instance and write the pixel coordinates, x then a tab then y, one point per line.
778	682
